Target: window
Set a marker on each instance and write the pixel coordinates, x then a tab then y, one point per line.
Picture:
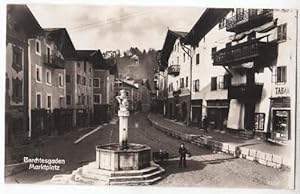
281	32
88	100
197	58
38	47
48	77
183	57
38	100
196	86
96	83
181	82
90	82
97	99
38	73
90	70
68	78
48	54
78	79
83	81
186	81
213	52
281	74
213	85
49	101
68	99
222	23
78	64
60	80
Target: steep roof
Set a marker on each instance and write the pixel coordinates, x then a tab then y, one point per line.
22	16
209	18
170	39
63	41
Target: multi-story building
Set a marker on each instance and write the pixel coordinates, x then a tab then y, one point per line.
175	58
79	82
240	62
19	18
103	87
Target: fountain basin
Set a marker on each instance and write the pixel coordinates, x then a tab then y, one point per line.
111	157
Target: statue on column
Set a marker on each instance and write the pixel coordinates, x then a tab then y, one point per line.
123	101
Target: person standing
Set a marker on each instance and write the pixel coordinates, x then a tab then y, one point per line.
205	123
182	152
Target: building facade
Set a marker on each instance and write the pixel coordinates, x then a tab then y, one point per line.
16	91
240	62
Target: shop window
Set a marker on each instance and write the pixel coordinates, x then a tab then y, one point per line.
282	32
281	122
213	84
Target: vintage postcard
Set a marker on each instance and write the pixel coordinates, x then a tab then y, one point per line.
150	95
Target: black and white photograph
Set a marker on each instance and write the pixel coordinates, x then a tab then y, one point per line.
168	96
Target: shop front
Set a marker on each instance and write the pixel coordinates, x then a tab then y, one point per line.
217	113
196	112
280	115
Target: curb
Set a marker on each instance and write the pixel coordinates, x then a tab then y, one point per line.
267	159
11	169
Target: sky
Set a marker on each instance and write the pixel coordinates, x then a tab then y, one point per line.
107	27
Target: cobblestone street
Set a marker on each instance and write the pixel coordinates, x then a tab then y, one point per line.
205	168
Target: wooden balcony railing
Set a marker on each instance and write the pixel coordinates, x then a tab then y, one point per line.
54	61
174	70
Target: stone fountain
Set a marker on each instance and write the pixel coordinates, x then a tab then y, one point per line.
120	163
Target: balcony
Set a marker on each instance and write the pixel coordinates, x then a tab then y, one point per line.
254	50
176	92
248	19
54	61
245	92
174	70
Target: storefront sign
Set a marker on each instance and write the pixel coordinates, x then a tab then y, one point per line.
259	121
281	91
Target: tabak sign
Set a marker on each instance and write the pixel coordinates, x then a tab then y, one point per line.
280	91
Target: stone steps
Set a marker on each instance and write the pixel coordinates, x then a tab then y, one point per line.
134	178
135	183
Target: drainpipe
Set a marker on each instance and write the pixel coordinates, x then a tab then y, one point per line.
188	51
29	91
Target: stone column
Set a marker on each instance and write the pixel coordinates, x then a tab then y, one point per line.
123	128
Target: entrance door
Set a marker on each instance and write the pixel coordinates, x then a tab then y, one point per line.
249	116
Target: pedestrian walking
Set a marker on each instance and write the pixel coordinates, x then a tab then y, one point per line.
205	123
183	152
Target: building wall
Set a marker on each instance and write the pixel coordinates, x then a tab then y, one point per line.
77	87
103	75
42	87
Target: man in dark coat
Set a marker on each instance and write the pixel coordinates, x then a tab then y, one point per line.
182	152
205	123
